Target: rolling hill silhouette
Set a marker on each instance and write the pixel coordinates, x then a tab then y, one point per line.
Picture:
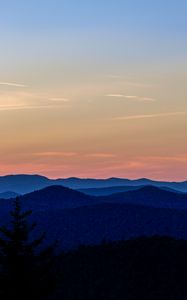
75	218
62	197
108	190
150	196
53	197
118	189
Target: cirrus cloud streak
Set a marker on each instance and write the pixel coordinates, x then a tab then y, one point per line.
131	97
13	84
149	116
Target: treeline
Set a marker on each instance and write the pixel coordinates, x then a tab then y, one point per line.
144	268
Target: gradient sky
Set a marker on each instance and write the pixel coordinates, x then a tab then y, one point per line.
94	88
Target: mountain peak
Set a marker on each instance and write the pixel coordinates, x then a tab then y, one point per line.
157	189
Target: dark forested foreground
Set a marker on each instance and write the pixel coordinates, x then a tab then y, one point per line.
143	268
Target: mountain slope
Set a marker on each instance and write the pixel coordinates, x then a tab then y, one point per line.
53	197
118	189
108	190
75	218
92	224
150	196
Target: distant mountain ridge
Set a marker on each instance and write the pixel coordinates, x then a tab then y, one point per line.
23	184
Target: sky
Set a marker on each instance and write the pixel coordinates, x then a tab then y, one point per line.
94	88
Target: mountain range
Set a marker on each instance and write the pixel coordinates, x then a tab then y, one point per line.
75	218
22	184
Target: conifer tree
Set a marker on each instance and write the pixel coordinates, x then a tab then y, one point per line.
27	272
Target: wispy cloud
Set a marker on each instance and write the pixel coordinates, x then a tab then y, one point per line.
25	107
160	115
59	99
55	154
115	95
19	100
13	107
132	97
13	84
181	158
101	155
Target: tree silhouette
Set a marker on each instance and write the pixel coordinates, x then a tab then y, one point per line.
27	272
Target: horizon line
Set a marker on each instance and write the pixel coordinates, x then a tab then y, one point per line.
94	178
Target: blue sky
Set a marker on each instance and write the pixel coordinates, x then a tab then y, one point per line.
160	16
136	28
